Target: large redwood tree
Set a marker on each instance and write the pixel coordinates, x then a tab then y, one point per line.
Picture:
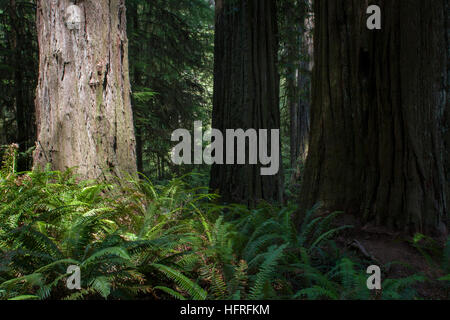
83	105
246	91
378	100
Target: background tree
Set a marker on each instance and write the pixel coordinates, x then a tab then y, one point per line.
246	91
295	20
83	97
378	100
171	75
446	118
18	75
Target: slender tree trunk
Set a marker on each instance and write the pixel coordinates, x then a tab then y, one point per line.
22	97
304	84
446	122
139	154
299	80
83	105
293	99
378	99
134	23
246	91
16	46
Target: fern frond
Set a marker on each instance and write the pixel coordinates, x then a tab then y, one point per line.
190	287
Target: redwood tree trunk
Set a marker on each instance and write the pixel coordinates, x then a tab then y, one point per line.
378	100
83	105
246	91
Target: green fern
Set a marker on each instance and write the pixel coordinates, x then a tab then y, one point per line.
267	272
187	285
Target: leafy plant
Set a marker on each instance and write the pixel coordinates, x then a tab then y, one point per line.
136	239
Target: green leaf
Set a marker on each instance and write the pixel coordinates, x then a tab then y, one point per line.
25	297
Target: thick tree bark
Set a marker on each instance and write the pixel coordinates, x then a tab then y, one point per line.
83	105
378	99
246	92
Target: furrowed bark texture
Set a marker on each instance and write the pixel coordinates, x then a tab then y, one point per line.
246	92
378	101
83	105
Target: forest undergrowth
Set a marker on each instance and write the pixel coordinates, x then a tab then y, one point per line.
136	240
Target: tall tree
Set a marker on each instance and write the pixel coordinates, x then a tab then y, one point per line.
83	105
378	98
296	62
446	118
135	47
246	91
171	75
18	64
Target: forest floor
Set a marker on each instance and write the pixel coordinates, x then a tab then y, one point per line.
398	255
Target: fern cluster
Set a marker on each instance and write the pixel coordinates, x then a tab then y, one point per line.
138	240
125	247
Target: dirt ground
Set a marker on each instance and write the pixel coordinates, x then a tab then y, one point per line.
383	247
